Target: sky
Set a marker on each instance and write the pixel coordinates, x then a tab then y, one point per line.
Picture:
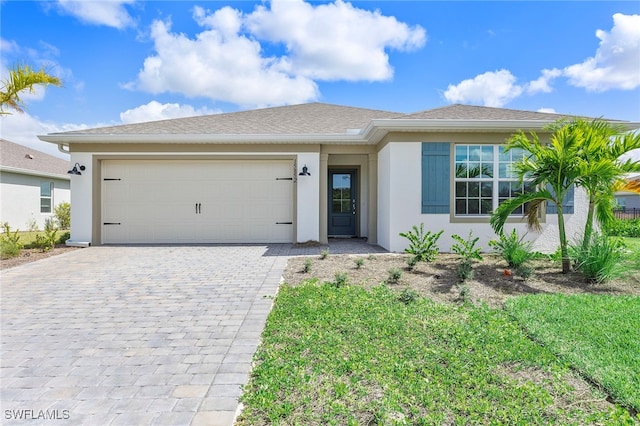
127	61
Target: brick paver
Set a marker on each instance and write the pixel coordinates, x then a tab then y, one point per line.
137	334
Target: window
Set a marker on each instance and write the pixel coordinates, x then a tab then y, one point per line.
46	197
484	178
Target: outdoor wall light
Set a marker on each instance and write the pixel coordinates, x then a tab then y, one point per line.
75	170
305	171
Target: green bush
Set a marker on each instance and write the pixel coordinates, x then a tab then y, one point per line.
62	213
324	254
394	276
423	245
10	244
600	262
624	228
468	252
412	261
513	249
47	241
408	296
308	263
64	237
359	263
340	279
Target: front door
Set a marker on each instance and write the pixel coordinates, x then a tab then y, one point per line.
342	203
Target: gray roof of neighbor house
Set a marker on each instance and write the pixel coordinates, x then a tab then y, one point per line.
312	123
21	159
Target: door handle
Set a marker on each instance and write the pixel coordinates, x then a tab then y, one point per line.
199	208
196	208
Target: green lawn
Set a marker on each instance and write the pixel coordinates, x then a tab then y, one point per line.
351	356
597	335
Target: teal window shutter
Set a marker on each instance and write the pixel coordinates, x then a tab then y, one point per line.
567	205
436	176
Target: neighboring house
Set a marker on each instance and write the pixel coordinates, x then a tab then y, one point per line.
302	173
32	183
627	199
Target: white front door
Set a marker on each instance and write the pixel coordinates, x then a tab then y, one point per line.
197	201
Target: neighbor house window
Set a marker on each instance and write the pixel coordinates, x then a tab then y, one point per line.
46	197
484	178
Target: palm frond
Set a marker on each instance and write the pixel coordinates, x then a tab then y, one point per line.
504	210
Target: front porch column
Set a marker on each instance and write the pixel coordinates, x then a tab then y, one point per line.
373	199
324	179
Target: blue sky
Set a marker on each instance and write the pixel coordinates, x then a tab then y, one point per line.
131	61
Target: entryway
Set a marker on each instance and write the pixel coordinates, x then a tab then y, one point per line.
343	203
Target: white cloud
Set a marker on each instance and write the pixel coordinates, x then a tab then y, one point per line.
335	41
154	111
226	62
220	65
23	128
111	13
547	110
616	62
493	89
542	84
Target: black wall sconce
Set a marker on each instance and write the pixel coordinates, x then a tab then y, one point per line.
305	171
75	170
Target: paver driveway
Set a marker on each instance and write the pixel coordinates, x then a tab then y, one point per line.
134	335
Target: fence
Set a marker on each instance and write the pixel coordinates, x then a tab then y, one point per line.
625	213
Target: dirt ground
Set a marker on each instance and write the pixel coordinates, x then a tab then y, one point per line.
31	255
493	281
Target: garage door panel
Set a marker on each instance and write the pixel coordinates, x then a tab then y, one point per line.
191	201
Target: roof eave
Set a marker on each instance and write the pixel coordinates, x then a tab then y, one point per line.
204	138
20	171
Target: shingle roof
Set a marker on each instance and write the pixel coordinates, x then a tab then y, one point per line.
307	120
312	118
24	158
471	112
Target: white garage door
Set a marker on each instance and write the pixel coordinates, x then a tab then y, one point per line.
197	201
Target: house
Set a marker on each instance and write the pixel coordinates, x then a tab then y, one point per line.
301	173
32	183
628	199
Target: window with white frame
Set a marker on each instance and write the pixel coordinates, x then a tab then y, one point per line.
484	178
46	197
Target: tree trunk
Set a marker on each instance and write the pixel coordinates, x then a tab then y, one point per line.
566	262
588	227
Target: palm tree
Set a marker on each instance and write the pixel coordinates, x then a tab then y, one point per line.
21	78
601	170
550	168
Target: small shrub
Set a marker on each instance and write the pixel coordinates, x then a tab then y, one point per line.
408	296
307	266
359	263
47	241
468	252
423	245
62	213
394	276
64	237
464	271
412	262
371	257
340	279
465	293
600	262
324	254
513	249
10	244
524	271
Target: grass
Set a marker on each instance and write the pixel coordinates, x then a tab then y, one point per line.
28	238
631	262
351	356
598	335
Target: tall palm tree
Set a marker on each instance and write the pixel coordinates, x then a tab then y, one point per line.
23	78
550	168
